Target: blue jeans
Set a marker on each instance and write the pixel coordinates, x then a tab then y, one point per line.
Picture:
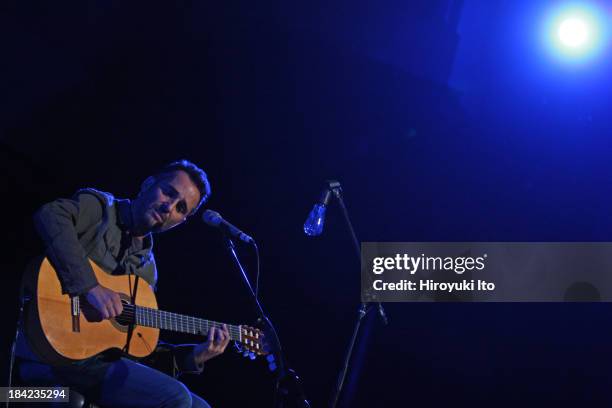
118	383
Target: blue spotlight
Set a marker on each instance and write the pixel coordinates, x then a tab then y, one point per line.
576	32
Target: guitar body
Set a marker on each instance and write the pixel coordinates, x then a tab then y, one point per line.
57	338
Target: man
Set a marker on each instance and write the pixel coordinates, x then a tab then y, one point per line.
117	235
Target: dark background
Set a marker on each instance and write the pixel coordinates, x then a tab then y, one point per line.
441	118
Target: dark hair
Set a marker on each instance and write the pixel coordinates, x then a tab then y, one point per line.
196	174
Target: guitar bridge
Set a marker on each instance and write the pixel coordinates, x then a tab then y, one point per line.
76	313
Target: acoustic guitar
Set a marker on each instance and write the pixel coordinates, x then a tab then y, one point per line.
62	329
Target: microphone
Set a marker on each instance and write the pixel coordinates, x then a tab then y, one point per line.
214	219
316	219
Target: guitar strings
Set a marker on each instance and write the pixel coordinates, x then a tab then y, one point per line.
176	321
180	323
168	317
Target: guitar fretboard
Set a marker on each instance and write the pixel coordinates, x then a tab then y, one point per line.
159	319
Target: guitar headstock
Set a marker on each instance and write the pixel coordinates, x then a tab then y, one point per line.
252	341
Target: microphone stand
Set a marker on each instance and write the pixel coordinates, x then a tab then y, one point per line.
285	375
364	308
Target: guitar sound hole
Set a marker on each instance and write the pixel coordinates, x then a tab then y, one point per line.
126	317
123	321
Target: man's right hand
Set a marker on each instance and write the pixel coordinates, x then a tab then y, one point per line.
105	301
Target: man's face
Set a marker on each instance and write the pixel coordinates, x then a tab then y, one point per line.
164	202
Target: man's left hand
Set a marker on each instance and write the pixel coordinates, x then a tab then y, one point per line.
218	339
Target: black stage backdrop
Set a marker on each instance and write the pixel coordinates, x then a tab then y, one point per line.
271	100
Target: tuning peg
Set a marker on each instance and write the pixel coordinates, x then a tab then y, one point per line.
252	355
272	366
245	353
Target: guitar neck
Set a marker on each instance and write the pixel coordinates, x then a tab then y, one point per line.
159	319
